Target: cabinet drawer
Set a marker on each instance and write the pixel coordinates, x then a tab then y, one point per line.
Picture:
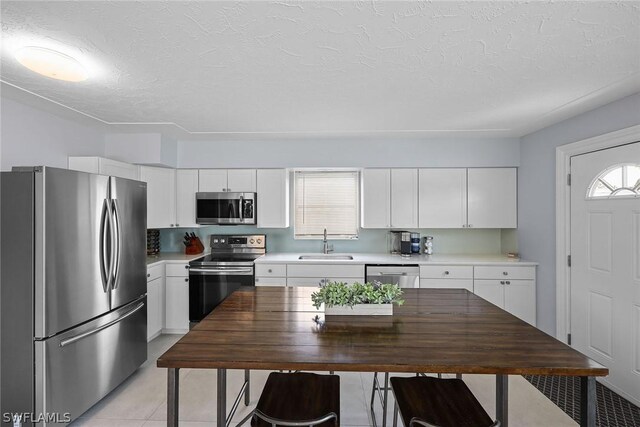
271	270
154	272
271	281
505	272
447	284
347	280
177	269
325	270
446	271
305	281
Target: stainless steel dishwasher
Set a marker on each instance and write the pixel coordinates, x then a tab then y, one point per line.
405	276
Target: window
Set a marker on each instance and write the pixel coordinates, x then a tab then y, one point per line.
326	199
616	181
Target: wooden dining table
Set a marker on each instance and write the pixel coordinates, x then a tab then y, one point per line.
448	331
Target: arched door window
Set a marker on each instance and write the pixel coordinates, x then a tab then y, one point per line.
616	181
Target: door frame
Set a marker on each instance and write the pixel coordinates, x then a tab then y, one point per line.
563	215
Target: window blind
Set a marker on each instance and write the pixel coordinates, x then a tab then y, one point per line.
326	199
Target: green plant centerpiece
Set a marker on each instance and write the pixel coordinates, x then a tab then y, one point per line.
374	298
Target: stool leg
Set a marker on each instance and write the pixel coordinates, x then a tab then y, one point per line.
395	414
247	391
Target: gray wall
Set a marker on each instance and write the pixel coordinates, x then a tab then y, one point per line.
30	136
536	190
389	152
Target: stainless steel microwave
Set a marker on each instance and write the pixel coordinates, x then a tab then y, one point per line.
226	208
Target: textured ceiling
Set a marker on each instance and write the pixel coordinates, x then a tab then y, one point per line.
308	67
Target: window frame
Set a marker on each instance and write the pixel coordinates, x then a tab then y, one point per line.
611	196
358	172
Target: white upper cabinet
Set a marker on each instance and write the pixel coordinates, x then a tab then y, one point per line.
492	198
236	180
273	198
241	180
186	189
376	198
161	196
442	198
404	198
104	166
212	180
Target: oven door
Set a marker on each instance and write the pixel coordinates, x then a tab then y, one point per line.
209	286
226	208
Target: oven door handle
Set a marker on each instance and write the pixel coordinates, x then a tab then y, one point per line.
221	271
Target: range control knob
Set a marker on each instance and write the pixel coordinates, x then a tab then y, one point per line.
252	241
259	241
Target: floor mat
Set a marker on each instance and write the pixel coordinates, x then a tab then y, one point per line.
613	410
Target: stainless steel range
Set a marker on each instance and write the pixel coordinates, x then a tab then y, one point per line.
229	266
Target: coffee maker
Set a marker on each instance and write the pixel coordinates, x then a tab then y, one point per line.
400	242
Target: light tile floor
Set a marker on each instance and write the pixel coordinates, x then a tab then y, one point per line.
141	400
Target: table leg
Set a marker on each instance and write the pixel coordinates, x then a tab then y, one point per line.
173	380
222	397
588	401
247	395
386	399
502	400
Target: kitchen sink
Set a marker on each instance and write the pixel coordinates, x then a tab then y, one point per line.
327	257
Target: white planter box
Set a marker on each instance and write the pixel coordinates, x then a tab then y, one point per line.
360	310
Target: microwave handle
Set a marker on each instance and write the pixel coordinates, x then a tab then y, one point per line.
241	208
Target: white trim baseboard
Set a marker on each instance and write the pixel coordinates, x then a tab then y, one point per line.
563	215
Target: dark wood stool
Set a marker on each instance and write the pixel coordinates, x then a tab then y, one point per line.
434	402
298	399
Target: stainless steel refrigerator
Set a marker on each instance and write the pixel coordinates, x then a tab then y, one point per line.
73	317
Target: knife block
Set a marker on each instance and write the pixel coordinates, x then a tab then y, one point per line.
195	247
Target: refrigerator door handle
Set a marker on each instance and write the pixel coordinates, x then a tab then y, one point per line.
105	226
116	242
100	328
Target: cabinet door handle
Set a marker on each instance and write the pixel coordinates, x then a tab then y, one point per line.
148	274
446	272
508	282
177	225
504	273
470	225
186	280
270	271
502	282
186	266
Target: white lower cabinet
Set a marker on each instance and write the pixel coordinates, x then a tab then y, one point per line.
271	281
447	276
510	288
155	301
271	274
447	283
305	281
177	298
155	307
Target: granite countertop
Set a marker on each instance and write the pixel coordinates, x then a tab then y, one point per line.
384	258
172	257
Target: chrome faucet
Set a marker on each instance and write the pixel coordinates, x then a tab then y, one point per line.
326	247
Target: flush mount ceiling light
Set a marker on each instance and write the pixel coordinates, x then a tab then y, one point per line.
51	63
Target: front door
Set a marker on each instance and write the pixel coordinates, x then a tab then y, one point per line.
605	263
